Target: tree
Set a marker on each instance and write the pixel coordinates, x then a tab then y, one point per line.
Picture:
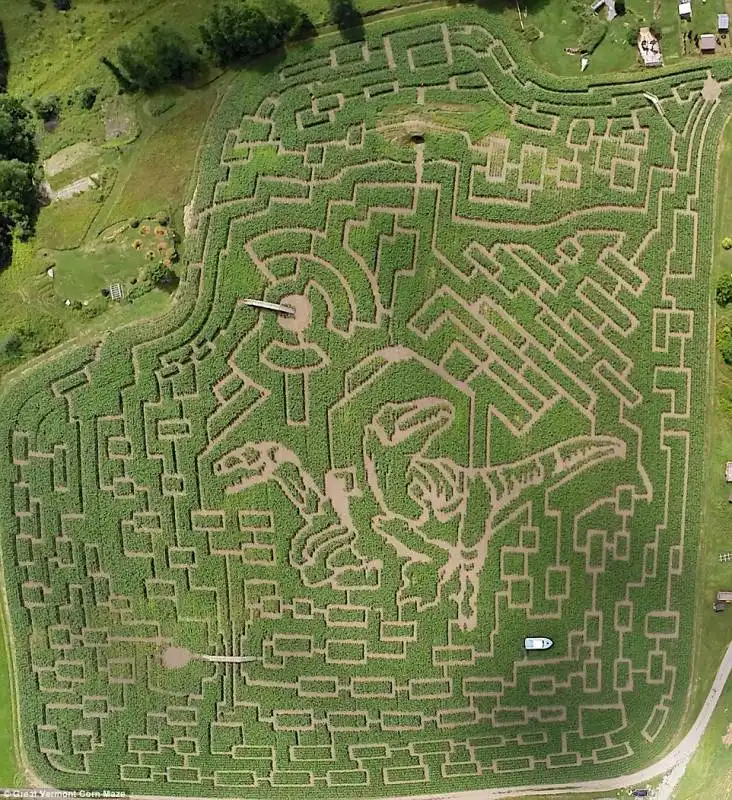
293	20
17	140
18	198
347	18
344	14
724	289
18	204
4	60
156	58
62	5
239	33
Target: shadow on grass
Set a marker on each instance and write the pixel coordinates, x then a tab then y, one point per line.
348	19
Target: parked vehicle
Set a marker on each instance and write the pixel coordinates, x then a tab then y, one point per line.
537	643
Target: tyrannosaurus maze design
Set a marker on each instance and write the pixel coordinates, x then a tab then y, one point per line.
482	421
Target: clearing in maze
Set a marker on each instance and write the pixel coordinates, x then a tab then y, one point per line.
482	422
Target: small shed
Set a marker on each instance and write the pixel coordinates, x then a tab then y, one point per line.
724	597
685	10
729	472
723	23
708	43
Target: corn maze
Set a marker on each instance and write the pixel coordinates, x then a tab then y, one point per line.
484	421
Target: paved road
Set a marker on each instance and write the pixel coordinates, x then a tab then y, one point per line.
674	763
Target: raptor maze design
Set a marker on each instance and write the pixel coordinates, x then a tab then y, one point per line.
286	555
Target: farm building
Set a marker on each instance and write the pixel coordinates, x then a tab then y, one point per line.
708	43
650	52
685	10
729	472
723	23
724	597
611	12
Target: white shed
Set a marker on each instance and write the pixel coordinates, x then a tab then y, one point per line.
708	43
685	10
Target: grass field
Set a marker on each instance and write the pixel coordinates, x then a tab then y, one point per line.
710	767
484	420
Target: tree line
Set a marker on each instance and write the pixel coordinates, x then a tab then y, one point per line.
232	33
18	160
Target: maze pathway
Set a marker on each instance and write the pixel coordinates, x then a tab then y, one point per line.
482	421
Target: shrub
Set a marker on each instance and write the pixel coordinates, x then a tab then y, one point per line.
724	289
88	96
655	29
158	273
10	346
62	5
134	223
620	7
532	33
724	344
632	35
95	307
727	243
140	289
38	5
593	33
163	218
47	108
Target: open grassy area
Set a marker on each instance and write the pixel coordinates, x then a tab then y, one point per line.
710	772
710	767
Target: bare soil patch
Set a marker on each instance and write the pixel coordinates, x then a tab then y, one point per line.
176	657
727	738
300	320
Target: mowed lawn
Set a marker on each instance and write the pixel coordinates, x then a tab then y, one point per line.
161	166
710	767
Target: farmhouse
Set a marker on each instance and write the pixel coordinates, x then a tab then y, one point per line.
708	43
648	48
685	10
723	23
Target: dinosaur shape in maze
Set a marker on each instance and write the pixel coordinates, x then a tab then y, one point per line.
443	491
481	422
